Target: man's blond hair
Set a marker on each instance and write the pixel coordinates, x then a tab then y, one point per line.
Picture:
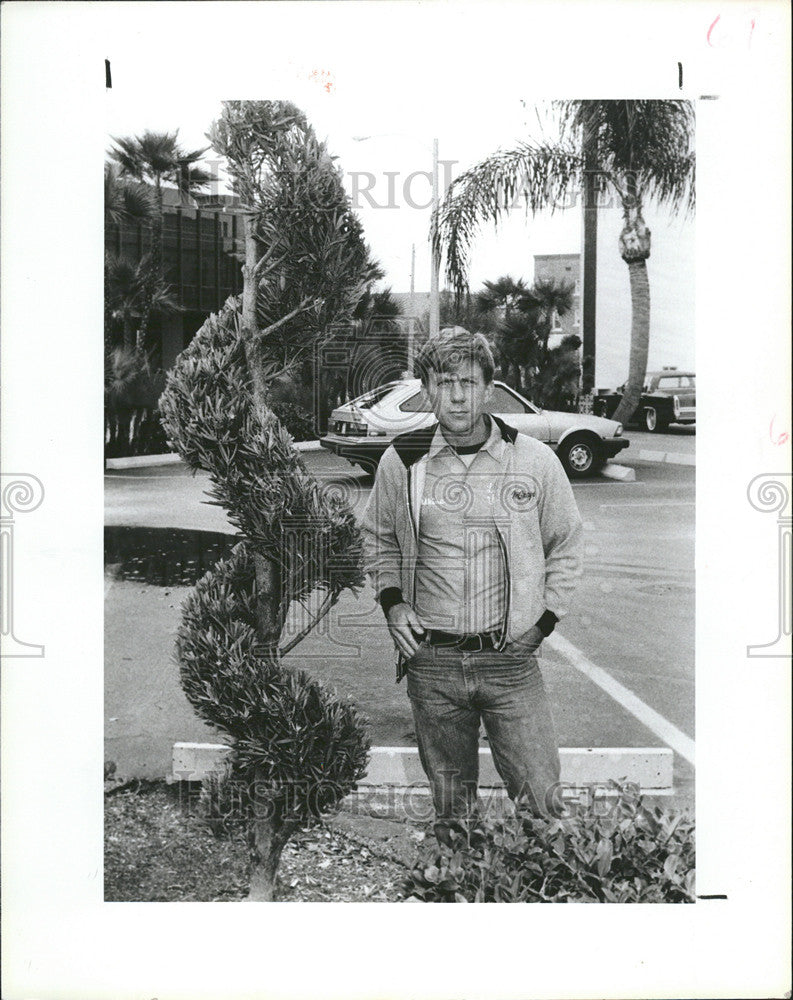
452	346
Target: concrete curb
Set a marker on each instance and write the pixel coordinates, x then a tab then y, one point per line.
395	773
142	461
621	472
667	457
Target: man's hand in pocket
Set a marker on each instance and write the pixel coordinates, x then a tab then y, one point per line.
527	643
405	628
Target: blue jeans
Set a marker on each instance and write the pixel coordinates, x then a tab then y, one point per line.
451	692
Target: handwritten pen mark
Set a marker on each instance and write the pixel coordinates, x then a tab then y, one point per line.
715	895
108	78
726	40
782	438
680	75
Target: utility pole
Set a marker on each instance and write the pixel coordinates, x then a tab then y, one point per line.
435	311
589	270
412	323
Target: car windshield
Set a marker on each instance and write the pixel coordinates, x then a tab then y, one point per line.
370	399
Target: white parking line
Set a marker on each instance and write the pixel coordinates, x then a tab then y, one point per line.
656	723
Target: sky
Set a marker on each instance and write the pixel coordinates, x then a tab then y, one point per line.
382	137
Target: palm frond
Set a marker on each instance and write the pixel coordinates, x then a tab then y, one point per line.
126	200
540	176
157	156
131	284
645	147
553	295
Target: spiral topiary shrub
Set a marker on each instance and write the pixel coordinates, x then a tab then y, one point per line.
298	748
305	743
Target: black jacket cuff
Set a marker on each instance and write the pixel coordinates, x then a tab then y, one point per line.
389	597
546	623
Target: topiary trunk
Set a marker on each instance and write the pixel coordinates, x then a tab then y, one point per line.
268	834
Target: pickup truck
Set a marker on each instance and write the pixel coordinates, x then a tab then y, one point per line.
668	397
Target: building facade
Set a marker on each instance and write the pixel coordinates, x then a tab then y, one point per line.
562	267
202	252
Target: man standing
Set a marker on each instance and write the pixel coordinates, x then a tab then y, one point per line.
473	544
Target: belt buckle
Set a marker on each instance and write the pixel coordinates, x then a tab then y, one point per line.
478	637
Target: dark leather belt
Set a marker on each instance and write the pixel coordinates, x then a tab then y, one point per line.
472	643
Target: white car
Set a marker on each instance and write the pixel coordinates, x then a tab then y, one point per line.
362	429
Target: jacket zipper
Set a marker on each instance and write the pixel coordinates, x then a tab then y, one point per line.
409	482
505	555
400	668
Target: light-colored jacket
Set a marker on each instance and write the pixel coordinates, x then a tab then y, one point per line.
537	520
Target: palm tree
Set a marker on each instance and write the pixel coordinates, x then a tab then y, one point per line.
157	158
130	291
555	298
382	349
560	376
516	343
643	151
508	309
125	201
503	294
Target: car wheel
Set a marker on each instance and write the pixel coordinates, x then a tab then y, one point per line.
651	421
578	457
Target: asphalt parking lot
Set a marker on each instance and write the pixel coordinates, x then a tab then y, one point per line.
619	673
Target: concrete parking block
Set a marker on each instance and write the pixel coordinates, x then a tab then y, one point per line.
623	473
197	761
400	767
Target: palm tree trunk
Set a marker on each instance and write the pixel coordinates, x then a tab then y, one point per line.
640	340
635	249
155	270
129	331
108	321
